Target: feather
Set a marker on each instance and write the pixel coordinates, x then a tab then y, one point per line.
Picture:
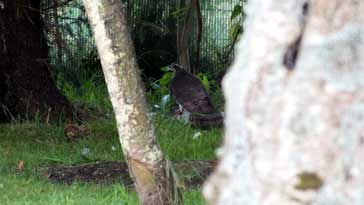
189	91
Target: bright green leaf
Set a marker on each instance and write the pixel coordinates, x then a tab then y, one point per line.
235	30
236	12
205	81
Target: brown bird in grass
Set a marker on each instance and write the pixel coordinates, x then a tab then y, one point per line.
190	93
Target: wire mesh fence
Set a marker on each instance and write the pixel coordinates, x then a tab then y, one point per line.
216	42
153	25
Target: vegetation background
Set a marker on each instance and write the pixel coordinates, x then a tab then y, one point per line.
77	72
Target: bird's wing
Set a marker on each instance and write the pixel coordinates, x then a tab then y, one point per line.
190	92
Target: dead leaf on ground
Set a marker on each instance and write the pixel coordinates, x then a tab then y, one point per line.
20	166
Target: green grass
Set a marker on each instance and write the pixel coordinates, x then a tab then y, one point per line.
40	144
178	143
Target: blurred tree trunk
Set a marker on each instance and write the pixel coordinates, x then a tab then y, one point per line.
149	169
26	86
295	107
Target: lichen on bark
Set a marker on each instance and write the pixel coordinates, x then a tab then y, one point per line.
136	132
283	123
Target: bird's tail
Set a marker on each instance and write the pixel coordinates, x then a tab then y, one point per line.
207	120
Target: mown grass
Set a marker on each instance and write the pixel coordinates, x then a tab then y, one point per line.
40	144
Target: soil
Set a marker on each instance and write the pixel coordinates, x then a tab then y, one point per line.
193	172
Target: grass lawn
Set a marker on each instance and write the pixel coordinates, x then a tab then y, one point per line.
39	144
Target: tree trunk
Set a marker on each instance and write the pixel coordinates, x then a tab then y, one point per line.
149	169
198	36
295	107
183	38
26	86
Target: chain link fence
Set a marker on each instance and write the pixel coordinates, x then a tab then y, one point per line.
153	25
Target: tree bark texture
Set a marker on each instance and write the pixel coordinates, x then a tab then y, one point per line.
148	166
192	20
26	85
294	123
183	39
198	36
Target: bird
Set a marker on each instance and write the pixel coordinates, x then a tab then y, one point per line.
192	96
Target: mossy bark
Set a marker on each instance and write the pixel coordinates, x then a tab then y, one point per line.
145	159
294	123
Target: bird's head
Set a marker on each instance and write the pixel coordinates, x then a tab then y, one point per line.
174	67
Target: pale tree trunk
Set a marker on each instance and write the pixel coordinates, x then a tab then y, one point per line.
295	136
148	167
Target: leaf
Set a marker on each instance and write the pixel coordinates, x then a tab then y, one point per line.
165	100
235	30
164	68
236	12
155	85
164	90
166	79
205	81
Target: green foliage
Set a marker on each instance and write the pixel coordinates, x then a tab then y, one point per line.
90	92
235	30
237	17
83	70
154	35
69	38
205	80
154	28
238	9
159	95
91	64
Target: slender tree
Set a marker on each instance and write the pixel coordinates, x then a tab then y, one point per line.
295	107
148	167
193	19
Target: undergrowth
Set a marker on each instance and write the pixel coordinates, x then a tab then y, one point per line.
38	144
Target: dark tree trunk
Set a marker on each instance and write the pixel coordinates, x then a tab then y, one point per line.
184	38
26	85
193	19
